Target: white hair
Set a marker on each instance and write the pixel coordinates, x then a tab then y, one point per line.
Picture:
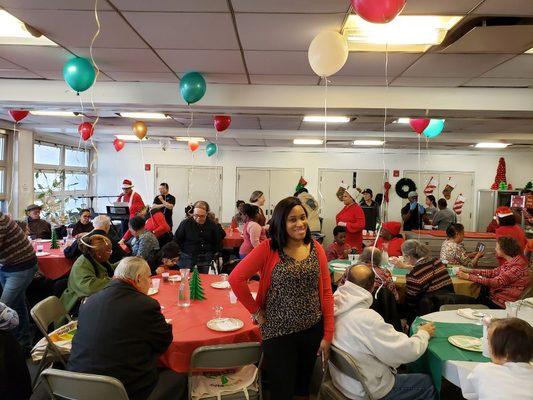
102	221
415	249
131	268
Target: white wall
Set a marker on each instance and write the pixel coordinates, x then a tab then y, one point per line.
129	163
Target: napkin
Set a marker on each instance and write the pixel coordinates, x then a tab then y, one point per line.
470	313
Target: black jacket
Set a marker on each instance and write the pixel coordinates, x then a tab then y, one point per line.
121	333
195	239
72	252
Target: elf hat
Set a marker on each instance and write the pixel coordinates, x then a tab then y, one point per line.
503	211
127	184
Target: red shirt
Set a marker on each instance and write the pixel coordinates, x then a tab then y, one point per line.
394	246
157	224
135	205
354	217
263	260
514	231
336	251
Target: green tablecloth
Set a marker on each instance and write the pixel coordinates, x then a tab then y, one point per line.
395	272
440	350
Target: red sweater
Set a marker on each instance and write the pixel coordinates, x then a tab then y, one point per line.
354	217
262	260
157	224
394	246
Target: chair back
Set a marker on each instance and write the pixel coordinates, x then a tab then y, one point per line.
48	311
226	356
450	307
78	386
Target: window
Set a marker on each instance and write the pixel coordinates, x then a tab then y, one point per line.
61	176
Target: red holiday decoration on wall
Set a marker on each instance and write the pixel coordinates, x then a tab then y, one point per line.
387	187
458	205
500	174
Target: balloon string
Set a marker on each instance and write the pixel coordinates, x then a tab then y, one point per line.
97	33
325	114
418	186
191	170
12	170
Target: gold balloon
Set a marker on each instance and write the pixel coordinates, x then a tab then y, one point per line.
140	129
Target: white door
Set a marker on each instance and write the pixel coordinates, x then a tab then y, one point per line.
251	179
189	184
283	182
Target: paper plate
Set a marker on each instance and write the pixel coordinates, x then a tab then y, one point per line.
221	285
42	254
174	278
339	266
469	343
152	291
225	324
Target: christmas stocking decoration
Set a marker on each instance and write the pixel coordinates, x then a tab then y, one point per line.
431	185
500	175
458	205
447	192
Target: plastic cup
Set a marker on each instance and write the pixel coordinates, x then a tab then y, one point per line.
165	276
232	297
155	283
223	277
40	248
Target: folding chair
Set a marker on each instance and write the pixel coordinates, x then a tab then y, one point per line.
345	364
228	356
451	307
77	386
45	313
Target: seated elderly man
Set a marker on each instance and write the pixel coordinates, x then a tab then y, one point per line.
39	228
199	238
121	331
375	346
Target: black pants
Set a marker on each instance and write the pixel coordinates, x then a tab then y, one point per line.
290	360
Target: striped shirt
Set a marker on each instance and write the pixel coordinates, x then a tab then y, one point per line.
16	251
427	276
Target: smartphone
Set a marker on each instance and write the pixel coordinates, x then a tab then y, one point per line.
480	248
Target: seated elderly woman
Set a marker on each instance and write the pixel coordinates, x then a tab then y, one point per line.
90	273
371	256
454	252
390	238
428	275
144	243
84	225
506	282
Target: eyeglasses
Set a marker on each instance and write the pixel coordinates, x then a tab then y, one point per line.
199	216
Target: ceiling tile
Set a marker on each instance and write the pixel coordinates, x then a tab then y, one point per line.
519	67
125	60
36	57
499	82
208	61
293	6
4	64
55	4
281	122
283	31
18	74
250	142
513	7
226	78
454	65
185	30
284	79
280	143
243	122
277	62
143	76
57	75
173	5
428	81
373	64
494	39
432	7
77	28
343	80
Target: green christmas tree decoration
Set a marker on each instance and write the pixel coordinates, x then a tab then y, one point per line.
529	186
502	186
195	285
53	243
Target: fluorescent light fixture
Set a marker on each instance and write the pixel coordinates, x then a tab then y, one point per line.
368	142
493	145
402	121
192	139
15	32
143	115
129	138
530	51
331	119
308	141
414	33
47	113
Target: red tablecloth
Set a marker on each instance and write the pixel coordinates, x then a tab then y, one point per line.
189	324
233	239
55	265
468	235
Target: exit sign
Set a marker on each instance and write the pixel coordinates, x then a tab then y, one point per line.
147	167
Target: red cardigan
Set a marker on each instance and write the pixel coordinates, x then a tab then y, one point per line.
354	217
157	224
262	260
394	248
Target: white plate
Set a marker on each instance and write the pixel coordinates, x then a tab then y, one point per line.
42	254
339	266
152	291
469	343
221	285
174	278
225	324
42	240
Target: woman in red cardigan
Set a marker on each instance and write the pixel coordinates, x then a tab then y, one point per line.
390	238
353	218
156	223
294	305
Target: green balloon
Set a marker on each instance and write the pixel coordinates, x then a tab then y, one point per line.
192	87
211	149
79	74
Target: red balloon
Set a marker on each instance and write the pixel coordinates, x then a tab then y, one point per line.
119	144
193	145
222	122
419	124
86	130
378	11
18	115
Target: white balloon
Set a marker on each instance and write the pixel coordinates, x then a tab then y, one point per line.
327	53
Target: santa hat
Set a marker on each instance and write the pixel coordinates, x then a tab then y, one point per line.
353	192
127	184
393	227
503	211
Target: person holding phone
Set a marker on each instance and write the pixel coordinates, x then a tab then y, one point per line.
454	252
294	304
